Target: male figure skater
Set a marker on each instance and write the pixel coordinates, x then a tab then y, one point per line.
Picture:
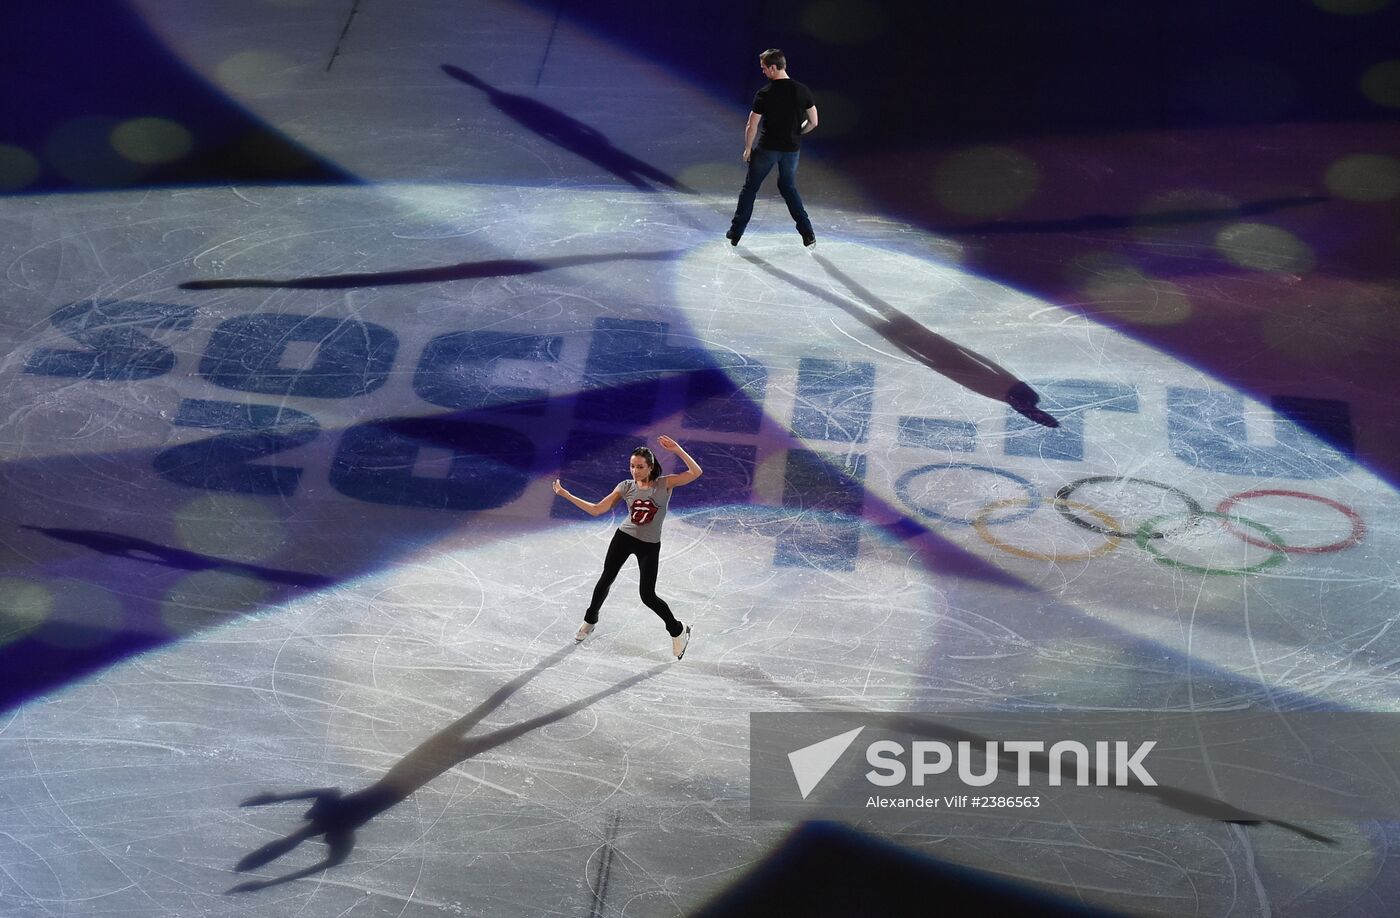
787	111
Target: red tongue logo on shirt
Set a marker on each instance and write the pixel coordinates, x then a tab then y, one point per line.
643	510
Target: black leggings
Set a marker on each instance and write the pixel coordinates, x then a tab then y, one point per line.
648	561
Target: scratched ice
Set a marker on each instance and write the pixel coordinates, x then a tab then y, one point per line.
279	525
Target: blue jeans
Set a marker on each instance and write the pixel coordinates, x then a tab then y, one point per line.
761	162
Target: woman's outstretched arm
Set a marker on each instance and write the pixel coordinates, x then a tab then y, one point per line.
592	509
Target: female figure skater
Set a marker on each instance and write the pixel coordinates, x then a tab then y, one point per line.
646	496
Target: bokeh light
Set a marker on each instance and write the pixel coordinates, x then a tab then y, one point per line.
1262	247
208	599
24	605
18	167
1369	177
985	181
1112	284
1129	294
1381	83
255	72
151	141
229	527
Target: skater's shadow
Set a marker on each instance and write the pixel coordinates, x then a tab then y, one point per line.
574	136
466	270
968	369
124	546
336	815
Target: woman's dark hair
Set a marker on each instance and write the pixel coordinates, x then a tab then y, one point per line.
650	457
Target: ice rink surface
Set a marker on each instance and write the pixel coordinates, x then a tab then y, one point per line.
279	536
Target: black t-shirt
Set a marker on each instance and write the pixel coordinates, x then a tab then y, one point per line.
783	105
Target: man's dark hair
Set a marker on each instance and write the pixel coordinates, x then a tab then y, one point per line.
773	58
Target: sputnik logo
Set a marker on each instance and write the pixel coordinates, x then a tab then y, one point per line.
811	763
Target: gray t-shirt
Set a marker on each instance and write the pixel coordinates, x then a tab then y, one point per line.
646	508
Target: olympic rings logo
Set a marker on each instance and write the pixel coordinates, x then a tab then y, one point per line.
1153	535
